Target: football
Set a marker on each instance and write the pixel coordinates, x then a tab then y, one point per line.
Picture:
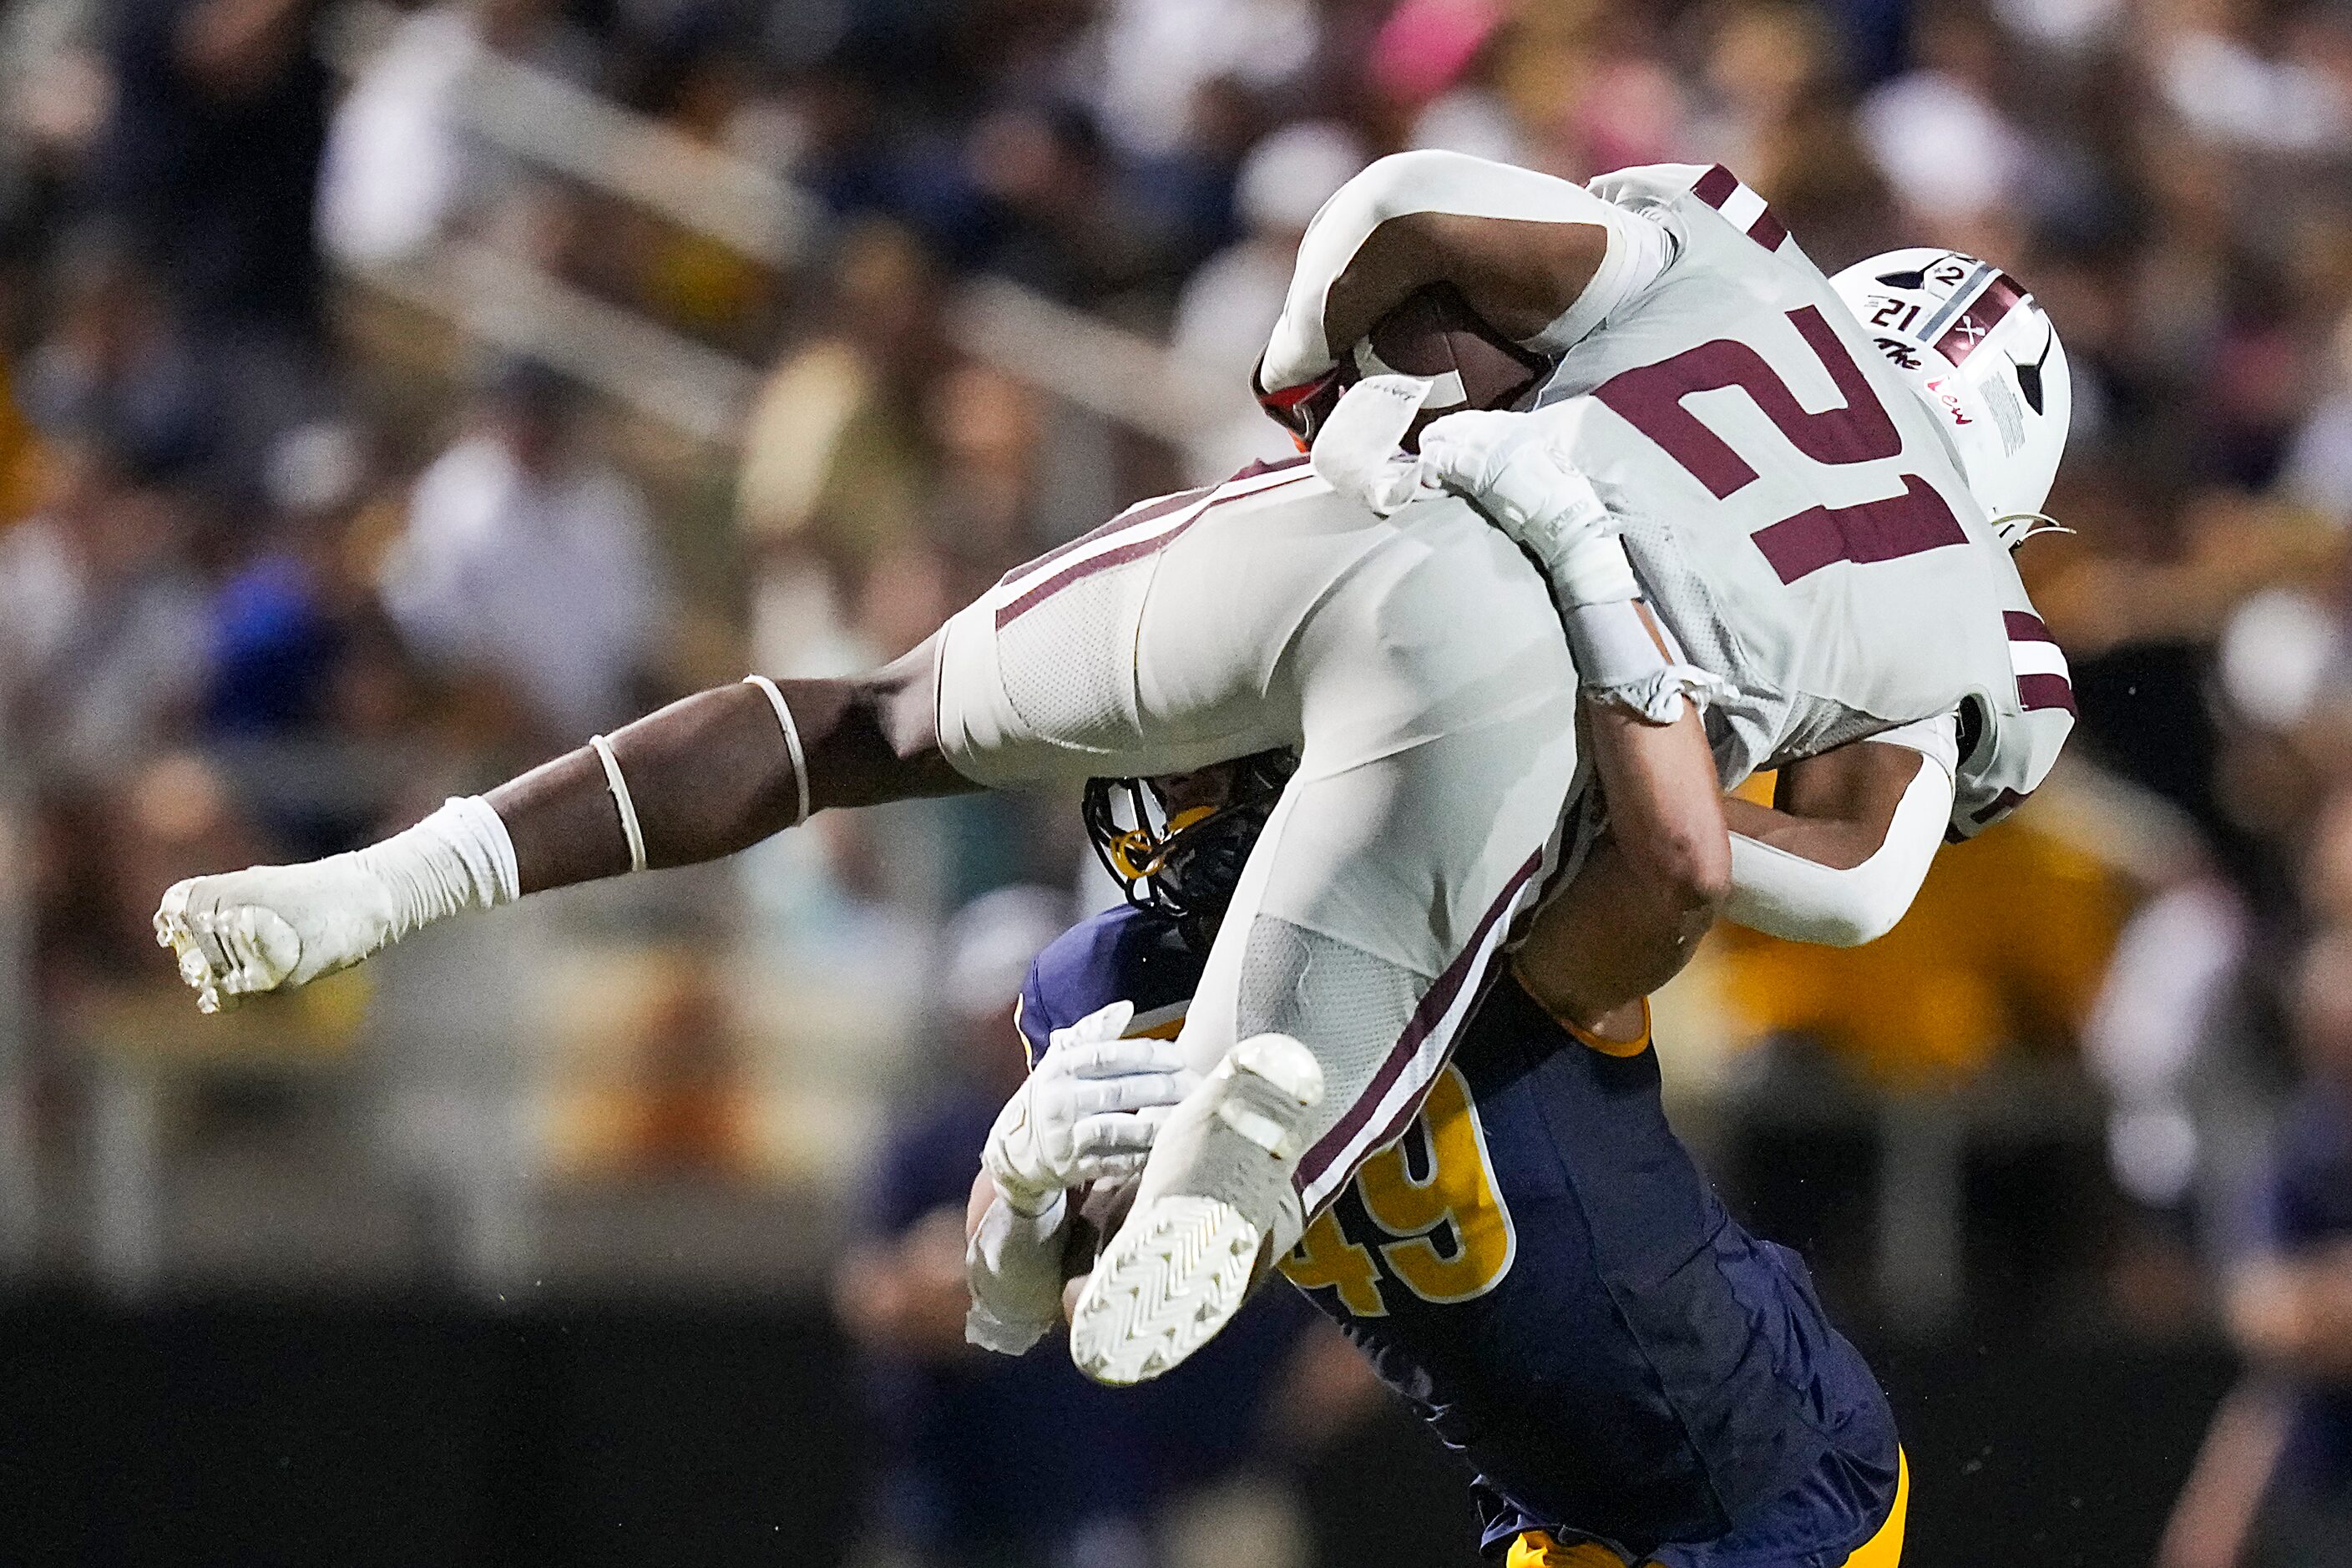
1435	333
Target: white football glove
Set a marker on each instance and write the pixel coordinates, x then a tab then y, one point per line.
1088	1111
1358	452
1511	467
273	928
1012	1266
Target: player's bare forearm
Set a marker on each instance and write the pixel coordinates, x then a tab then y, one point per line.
1833	809
710	774
1611	938
1650	890
1519	275
1664	806
702	778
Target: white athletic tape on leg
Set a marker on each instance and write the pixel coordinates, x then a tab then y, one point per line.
619	788
791	739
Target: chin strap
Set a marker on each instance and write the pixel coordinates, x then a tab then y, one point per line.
2014	528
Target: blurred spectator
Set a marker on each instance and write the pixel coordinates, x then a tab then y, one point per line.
2219	77
102	639
1152	57
117	361
1948	152
837	466
1058	216
209	166
2275	1483
1229	305
211	157
528	561
401	167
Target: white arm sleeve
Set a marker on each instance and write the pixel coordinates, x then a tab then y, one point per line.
1013	1265
1788	895
1407	183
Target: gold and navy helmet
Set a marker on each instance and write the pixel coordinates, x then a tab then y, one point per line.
1177	859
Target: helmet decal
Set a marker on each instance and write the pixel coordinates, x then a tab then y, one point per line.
2006	409
2029	377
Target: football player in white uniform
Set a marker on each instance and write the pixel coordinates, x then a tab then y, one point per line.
1818	482
1426	812
1414	664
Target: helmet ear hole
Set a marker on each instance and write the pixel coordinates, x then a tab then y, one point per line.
1972	727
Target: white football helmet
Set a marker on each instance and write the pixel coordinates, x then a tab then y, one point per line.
1984	357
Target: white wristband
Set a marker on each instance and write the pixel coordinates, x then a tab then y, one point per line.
618	786
1593	568
1622	656
791	739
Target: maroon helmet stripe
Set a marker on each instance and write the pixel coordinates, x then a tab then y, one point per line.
2037	691
2025	627
1766	230
1714	186
1984	312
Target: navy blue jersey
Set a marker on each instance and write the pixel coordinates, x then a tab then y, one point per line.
1541	1270
2304	1203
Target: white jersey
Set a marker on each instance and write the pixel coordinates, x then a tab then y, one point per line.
1417	665
1797	517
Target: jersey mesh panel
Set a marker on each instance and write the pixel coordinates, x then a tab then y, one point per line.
1774	726
1739	725
1347	1005
1063	673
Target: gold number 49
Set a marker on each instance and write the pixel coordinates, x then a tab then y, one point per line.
1456	1196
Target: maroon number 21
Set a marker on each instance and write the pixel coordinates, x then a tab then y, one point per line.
1651	399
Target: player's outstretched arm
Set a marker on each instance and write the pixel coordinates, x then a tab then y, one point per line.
704	777
1540	258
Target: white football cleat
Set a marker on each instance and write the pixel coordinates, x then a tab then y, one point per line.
1215	1209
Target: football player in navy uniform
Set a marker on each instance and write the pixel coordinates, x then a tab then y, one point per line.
1536	1267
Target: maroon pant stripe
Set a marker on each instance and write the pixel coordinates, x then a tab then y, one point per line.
1425	1018
1714	186
1012	610
1141	512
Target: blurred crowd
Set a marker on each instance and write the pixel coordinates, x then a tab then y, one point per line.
296	537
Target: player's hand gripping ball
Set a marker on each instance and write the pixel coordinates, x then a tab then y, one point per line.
1088	1112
